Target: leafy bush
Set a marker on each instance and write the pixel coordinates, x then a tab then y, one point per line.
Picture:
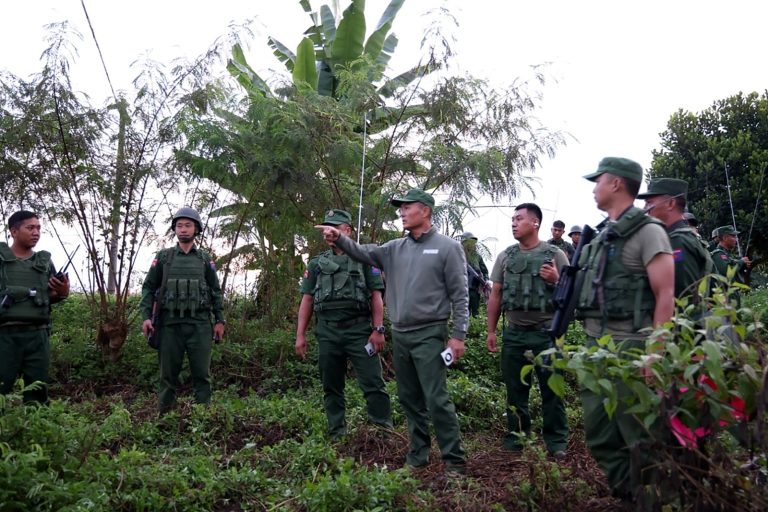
698	377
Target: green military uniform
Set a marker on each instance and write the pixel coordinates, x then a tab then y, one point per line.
192	296
426	284
724	258
341	290
692	261
564	246
526	300
24	321
617	299
477	272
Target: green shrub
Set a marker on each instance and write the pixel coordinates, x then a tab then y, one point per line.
352	487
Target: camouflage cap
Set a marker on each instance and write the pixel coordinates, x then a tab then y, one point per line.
724	230
574	229
337	217
623	167
415	195
665	187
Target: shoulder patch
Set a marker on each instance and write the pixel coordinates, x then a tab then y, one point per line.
678	255
306	273
212	264
375	271
154	262
723	256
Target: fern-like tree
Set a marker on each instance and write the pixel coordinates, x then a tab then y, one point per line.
104	171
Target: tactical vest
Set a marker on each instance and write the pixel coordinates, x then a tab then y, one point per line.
523	287
701	252
610	291
340	286
26	283
187	291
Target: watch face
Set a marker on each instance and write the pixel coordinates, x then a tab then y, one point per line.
380	329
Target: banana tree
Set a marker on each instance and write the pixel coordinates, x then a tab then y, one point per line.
328	48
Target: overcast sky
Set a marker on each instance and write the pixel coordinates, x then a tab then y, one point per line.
618	69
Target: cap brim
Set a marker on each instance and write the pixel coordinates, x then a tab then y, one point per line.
646	195
593	176
332	223
400	202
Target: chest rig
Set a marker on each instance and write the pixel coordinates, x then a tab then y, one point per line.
610	290
24	287
523	288
340	284
187	292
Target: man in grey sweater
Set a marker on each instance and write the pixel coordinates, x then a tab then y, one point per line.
426	284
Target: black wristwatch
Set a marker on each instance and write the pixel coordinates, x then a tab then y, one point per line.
222	322
379	329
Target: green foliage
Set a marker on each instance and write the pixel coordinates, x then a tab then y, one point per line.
351	487
692	380
697	147
480	405
262	444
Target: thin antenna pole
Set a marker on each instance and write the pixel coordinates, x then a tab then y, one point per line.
730	201
754	213
362	177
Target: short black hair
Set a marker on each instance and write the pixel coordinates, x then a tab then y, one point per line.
531	208
15	220
558	224
632	186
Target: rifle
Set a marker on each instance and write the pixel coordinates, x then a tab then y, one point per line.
476	275
63	272
568	288
153	338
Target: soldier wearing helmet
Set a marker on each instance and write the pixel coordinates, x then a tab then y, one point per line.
183	290
477	272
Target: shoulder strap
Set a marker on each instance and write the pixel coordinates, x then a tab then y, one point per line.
633	220
5	252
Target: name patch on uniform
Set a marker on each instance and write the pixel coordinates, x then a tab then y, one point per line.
678	255
431	251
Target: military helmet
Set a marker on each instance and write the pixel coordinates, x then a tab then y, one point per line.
188	213
467	235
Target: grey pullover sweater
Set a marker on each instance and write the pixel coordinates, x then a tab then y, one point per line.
426	279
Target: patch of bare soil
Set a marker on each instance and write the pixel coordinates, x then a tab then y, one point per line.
496	479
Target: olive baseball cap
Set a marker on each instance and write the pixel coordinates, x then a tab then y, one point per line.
415	195
337	217
623	167
665	187
574	229
725	230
